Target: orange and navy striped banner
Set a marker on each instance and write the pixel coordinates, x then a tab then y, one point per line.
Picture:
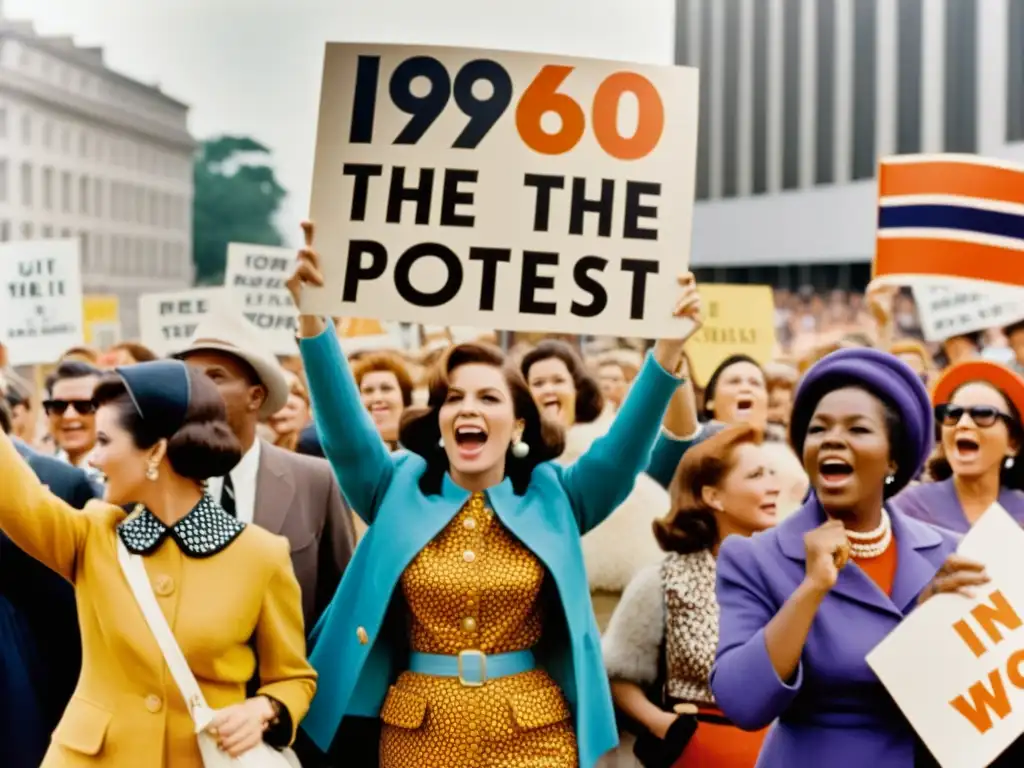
950	216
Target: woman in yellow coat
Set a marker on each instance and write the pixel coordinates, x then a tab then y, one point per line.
227	589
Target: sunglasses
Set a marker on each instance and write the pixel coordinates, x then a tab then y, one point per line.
982	415
58	407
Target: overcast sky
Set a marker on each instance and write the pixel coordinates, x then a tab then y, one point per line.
253	66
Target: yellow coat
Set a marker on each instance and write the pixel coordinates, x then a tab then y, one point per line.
126	711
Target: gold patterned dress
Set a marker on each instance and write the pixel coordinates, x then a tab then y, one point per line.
475	587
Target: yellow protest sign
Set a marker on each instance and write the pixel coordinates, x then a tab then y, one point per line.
101	321
738	320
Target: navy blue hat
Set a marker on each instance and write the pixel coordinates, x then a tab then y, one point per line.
160	391
888	378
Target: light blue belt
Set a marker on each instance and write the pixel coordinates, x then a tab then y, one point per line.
473	668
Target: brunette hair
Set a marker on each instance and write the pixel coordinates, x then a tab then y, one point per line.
385	362
939	468
203	447
138	352
589	400
691	525
420	429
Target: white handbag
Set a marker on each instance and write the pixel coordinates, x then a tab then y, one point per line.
262	756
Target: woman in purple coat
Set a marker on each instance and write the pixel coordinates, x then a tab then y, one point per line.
804	603
978	406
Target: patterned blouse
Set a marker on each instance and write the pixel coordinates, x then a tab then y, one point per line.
671	606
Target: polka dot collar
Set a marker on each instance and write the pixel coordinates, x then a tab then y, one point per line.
203	532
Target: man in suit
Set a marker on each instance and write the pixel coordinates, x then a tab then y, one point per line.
288	494
44	600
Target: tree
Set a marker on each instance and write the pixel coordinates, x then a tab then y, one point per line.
235	202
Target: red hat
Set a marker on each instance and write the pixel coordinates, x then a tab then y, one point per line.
1010	383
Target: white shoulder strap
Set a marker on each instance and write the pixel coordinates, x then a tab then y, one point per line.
135	573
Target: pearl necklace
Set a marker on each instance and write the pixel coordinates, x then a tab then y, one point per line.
871	544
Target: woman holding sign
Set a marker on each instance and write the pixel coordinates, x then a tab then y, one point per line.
978	406
804	603
468	594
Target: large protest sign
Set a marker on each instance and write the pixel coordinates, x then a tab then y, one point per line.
256	277
954	309
738	320
40	299
503	190
168	320
955	666
952	228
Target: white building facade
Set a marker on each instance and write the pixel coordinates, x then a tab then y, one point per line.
86	152
799	99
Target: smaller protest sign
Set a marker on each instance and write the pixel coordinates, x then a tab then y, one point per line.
168	320
41	304
256	277
738	320
102	321
954	309
955	666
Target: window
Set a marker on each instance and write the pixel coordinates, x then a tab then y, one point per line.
961	102
704	114
5	231
3	122
154	208
83	144
97	197
47	232
865	45
731	95
791	13
97	251
48	134
3	180
910	47
26	230
824	144
760	112
83	195
86	255
27	184
48	189
65	191
65	140
66	233
26	128
140	204
115	252
1015	72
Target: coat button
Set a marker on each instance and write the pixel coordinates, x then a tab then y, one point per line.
469	624
363	637
153	703
468	556
164	586
469	523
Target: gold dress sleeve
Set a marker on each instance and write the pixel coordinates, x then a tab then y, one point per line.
37	521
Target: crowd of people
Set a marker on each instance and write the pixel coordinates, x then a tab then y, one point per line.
474	558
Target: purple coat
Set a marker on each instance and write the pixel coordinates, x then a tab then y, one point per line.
834	712
938	504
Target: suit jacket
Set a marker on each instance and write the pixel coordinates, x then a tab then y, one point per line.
357	654
309	442
297	497
834	711
46	601
938	504
126	711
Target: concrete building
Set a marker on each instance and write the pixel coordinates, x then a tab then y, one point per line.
86	152
799	99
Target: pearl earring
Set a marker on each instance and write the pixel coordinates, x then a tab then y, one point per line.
440	442
152	474
1009	462
520	449
890	479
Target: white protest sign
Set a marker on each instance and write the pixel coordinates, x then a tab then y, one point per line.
255	277
40	300
168	320
531	192
955	666
956	308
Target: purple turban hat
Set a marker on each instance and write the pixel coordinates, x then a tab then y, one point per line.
887	378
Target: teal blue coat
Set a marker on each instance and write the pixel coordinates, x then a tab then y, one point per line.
559	506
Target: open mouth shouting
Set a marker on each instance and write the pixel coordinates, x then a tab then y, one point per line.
744	406
470	440
835	473
966	449
551	407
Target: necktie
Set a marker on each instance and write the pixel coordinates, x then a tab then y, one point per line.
227	496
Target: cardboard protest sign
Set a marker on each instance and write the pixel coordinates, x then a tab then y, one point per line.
41	304
955	666
102	321
738	320
255	277
506	190
360	334
955	309
168	320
